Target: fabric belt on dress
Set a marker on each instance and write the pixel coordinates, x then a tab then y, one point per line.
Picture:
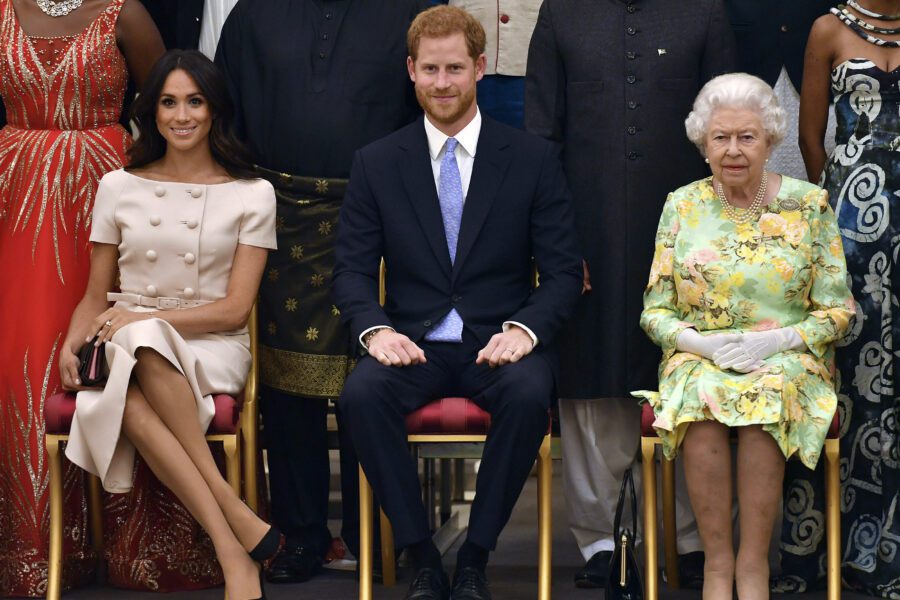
322	187
161	303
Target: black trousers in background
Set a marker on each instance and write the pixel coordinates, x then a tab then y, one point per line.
376	399
299	473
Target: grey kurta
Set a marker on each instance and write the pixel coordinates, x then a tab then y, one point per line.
613	82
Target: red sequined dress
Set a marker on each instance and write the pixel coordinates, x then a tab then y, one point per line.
63	98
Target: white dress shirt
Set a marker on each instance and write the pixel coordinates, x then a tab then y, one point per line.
465	160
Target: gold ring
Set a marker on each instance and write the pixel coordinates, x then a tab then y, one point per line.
108	323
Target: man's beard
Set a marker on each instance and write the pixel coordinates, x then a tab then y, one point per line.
449	113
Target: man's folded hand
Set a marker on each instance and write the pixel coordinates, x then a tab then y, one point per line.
394	349
508	347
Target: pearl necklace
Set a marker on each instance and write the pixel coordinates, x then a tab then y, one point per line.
745	215
58	9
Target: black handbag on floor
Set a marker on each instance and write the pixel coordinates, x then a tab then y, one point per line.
624	581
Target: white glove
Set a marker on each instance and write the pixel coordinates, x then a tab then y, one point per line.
690	340
754	347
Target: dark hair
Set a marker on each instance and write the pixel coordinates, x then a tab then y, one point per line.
226	148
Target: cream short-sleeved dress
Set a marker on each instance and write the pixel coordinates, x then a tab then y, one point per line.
175	240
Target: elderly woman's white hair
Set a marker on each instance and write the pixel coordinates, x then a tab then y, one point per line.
735	90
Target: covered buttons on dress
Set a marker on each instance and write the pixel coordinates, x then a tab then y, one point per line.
189	258
151	255
160	191
151	290
155	220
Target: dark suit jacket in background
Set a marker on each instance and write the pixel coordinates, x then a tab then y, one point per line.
772	33
613	83
517	207
178	21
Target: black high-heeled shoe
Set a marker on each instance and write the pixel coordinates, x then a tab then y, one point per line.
268	546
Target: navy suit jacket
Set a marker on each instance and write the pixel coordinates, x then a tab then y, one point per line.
517	208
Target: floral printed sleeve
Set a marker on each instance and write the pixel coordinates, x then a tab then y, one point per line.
830	302
661	319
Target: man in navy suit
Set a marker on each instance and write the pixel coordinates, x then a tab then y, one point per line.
461	208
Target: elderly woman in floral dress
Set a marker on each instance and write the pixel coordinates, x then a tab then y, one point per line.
747	295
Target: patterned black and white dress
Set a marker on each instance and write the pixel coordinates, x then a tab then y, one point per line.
862	177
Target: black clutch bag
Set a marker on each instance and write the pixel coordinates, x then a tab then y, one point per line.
92	364
624	580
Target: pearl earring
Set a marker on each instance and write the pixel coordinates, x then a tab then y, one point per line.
706	160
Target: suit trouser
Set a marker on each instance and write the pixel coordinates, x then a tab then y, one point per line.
376	399
600	439
300	474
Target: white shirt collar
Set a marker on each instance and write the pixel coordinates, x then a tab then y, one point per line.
467	137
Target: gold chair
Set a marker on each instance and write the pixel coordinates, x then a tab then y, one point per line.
58	417
473	430
366	534
649	441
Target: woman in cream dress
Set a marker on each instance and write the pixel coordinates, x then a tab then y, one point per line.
190	233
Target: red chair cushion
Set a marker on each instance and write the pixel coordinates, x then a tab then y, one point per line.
228	414
834	430
58	412
647	418
457	416
60	408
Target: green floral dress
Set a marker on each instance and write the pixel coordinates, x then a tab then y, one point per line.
785	270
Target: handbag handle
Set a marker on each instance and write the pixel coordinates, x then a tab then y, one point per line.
626	490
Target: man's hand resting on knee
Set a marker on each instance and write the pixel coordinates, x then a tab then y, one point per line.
394	349
508	347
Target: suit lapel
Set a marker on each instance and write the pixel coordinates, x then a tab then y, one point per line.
418	178
491	163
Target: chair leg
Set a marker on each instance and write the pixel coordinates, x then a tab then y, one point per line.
648	468
446	490
250	450
388	564
670	547
232	463
54	565
833	517
365	537
428	474
545	519
95	514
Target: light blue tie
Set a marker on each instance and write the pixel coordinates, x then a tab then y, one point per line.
450	194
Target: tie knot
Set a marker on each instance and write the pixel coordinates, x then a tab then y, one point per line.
451	145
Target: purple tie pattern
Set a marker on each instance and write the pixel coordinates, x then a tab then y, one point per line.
450	194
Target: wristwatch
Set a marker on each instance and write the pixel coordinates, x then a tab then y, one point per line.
368	337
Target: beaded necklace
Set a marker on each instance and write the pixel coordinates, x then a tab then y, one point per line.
868	26
864	11
851	22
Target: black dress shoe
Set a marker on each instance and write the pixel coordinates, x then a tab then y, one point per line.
294	565
429	584
470	584
595	571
